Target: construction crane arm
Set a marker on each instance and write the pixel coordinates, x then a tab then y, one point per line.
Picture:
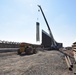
47	25
44	17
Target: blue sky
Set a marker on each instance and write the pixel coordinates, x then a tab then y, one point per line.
18	20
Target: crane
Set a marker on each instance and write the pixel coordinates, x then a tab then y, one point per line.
50	33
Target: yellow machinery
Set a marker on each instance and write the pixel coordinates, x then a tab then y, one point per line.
26	48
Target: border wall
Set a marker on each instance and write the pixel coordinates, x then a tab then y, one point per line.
7	44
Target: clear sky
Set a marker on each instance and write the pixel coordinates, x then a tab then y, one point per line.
18	20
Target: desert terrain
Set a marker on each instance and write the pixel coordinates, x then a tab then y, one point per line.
42	63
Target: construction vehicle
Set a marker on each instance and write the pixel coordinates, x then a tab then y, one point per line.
27	49
54	44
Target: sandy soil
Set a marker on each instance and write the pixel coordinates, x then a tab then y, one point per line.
42	63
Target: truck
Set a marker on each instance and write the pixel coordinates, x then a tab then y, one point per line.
27	49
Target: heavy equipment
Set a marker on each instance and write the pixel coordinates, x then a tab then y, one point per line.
27	48
54	44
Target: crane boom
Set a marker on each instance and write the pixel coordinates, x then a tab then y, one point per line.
53	42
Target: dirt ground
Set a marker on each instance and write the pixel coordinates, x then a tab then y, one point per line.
42	63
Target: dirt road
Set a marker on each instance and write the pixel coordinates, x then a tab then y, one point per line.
42	63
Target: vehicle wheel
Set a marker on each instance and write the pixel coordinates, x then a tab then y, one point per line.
34	51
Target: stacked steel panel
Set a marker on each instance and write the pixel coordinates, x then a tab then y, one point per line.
46	39
37	31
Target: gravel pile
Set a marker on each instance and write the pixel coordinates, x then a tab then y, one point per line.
42	63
